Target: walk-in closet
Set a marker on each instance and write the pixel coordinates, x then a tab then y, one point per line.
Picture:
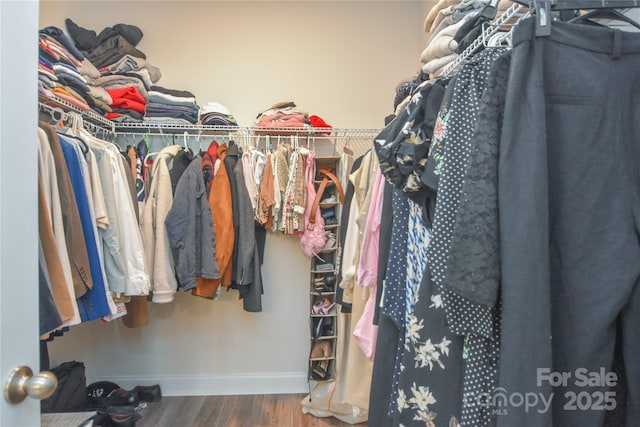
320	213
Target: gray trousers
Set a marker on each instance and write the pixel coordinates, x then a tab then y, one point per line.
569	206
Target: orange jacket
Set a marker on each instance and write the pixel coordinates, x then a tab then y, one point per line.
222	210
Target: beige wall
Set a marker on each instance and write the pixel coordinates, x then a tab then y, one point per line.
338	59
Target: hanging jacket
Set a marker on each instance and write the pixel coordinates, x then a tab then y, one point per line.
157	250
221	206
80	271
189	226
47	171
230	161
94	303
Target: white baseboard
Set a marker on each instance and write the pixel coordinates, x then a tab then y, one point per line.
218	384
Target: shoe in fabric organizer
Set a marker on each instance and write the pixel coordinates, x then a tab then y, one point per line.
324	263
321	357
331	242
328	199
324	283
329	216
323	328
323	306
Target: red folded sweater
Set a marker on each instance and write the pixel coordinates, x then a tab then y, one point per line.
127	97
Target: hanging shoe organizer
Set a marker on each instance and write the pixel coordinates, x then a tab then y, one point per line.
324	269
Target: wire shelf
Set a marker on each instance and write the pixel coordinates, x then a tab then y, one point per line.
54	101
173	128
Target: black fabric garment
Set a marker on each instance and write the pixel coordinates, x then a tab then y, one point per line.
233	154
44	355
468	39
431	175
252	295
180	163
469	26
131	33
388	119
472	268
465	318
617	418
402	146
248	277
86	39
395	283
381	378
477	216
569	211
393	304
112	50
406	88
433	366
173	92
131	113
48	313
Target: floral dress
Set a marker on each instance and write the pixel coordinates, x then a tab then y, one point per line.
432	352
451	347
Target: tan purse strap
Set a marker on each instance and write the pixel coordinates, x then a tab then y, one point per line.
336	181
323	185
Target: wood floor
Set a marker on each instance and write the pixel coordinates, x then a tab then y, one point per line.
277	410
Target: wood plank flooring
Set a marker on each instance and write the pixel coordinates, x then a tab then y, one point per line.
271	410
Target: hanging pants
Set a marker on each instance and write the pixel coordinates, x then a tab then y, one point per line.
569	207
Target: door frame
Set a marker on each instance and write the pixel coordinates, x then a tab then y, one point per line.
18	201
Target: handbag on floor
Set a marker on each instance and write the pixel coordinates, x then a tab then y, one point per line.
70	395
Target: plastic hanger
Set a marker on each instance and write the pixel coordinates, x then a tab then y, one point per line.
543	8
605	14
490	10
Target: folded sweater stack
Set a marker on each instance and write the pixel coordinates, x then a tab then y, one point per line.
58	69
171	105
452	25
283	115
123	71
215	114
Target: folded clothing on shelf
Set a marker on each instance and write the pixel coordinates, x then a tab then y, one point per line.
216	114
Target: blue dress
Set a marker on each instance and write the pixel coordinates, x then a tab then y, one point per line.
93	304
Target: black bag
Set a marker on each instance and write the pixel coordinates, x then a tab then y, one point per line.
71	393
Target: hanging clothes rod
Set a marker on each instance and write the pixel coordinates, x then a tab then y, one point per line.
240	131
174	128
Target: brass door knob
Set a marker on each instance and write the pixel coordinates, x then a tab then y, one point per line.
22	383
